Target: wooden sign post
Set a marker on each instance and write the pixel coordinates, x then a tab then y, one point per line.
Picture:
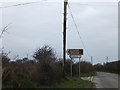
75	53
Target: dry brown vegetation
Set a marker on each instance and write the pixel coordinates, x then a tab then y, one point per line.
44	69
112	67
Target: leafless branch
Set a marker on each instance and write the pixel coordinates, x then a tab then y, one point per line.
4	30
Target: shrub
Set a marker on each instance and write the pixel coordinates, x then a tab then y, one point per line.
47	69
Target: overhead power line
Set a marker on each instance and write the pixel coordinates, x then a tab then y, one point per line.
77	30
22	4
99	4
87	4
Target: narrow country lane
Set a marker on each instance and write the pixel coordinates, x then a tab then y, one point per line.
106	80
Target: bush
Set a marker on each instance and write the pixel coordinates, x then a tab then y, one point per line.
16	76
112	67
85	67
44	69
5	59
47	70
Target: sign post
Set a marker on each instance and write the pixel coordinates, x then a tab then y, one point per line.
79	66
71	66
75	53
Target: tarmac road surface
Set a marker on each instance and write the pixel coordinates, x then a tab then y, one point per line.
106	80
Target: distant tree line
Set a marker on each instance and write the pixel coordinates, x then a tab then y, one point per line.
112	67
44	69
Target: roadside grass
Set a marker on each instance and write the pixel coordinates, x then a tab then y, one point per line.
93	73
72	82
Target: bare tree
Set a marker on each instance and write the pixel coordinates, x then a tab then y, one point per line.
1	34
4	30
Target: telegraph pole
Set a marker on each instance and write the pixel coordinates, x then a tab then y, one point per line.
91	60
64	35
107	59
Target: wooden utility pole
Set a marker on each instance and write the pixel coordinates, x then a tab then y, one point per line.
107	59
64	35
91	60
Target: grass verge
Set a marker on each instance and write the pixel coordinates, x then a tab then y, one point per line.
93	73
72	82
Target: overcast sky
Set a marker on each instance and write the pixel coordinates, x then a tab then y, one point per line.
34	25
